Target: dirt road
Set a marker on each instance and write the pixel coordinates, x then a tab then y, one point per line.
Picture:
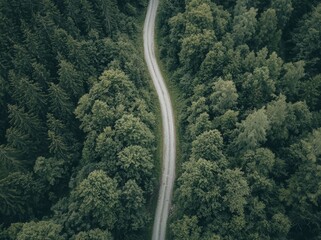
169	144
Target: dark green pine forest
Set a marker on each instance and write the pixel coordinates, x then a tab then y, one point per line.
249	73
77	130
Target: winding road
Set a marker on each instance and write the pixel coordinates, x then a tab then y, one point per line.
169	144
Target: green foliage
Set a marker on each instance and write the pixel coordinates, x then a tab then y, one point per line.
283	10
27	93
311	93
224	96
244	26
131	131
206	190
208	146
70	80
194	49
290	83
186	228
96	198
20	196
40	230
95	234
9	160
214	62
253	130
258	88
135	163
62	127
269	35
51	169
306	39
255	80
133	216
301	193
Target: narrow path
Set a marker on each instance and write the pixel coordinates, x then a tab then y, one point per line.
169	144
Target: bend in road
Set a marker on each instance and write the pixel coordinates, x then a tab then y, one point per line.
169	142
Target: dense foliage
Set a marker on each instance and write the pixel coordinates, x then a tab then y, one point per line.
77	124
250	74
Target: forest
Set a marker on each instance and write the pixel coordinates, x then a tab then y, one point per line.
249	74
79	127
77	121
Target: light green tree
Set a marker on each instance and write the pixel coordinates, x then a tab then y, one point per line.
97	199
258	88
186	228
94	234
224	97
244	26
253	130
43	230
135	163
130	130
208	146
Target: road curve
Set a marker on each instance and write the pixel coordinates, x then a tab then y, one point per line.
169	144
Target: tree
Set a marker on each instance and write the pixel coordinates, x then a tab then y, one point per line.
283	10
202	124
110	15
301	193
198	15
244	26
224	97
27	132
133	215
20	196
221	20
215	195
258	165
275	64
59	102
258	88
62	140
94	234
107	148
268	33
194	49
40	74
28	94
312	90
130	130
299	118
208	146
197	180
253	130
306	39
57	146
107	99
40	230
135	163
50	169
70	80
96	198
197	107
10	160
186	228
289	84
235	190
226	124
214	62
277	112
